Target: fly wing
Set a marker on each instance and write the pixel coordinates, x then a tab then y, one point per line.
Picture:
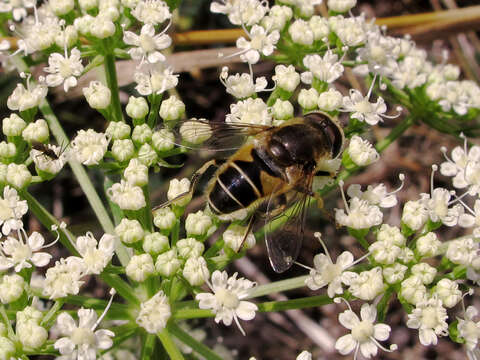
284	242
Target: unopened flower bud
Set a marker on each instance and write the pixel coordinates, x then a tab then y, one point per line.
137	107
7	348
102	27
428	245
413	290
234	236
7	150
168	263
194	271
98	95
11	288
330	100
123	150
301	33
13	125
198	224
425	272
86	5
31	335
36	131
172	109
189	247
136	173
448	291
118	130
147	155
129	231
163	140
341	6
18	175
142	134
140	267
164	218
308	99
319	26
286	77
282	110
155	243
61	7
83	24
127	196
67	37
361	151
395	273
179	187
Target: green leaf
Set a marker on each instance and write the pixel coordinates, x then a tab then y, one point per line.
197	346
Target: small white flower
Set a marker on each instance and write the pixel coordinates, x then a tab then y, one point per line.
462	251
437	204
260	42
366	285
82	341
282	110
127	196
330	100
164	218
414	214
198	224
156	81
177	188
20	255
96	255
154	313
425	272
7	348
448	291
328	273
235	235
31	334
327	68
308	99
140	267
172	109
50	164
163	140
242	86
148	45
189	247
123	150
36	131
129	231
277	17
394	273
352	31
246	12
137	107
364	335
142	134
64	278
428	245
385	252
168	263
319	26
12	210
195	271
89	147
469	329
429	317
13	125
97	94
136	173
227	302
23	98
362	152
18	175
413	290
152	12
341	6
375	195
155	243
11	288
249	111
64	69
362	109
301	33
286	77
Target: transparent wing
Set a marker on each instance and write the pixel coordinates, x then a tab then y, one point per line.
214	136
284	243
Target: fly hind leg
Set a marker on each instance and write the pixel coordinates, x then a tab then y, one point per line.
193	184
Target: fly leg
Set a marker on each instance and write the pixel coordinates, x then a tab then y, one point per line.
193	184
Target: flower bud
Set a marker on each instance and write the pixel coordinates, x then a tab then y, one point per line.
195	270
198	224
123	150
127	196
319	26
167	264
36	131
189	247
89	147
282	110
147	155
13	125
61	7
86	5
330	100
83	24
28	314
118	130
179	187
172	109
102	27
11	288
142	134
425	272
163	140
129	231
136	173
98	95
31	335
195	132
155	243
18	175
414	214
7	150
428	245
164	218
361	151
286	77
308	99
140	267
301	33
137	107
7	348
413	290
395	273
448	291
67	37
341	6
234	236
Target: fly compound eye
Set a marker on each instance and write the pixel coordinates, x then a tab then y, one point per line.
330	128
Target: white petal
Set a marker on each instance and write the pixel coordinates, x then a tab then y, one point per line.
246	310
65	323
35	241
368	349
368	313
345	344
41	259
348	319
381	332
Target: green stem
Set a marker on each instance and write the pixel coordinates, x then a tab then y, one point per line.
148	347
277	287
6	322
155	101
122	288
302	303
48	318
169	345
197	346
116	311
111	75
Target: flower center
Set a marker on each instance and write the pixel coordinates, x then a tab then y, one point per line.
331	271
6	211
147	43
82	336
65	69
227	298
257	42
363	331
429	317
363	106
22	252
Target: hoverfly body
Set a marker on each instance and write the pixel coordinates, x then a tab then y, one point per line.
270	171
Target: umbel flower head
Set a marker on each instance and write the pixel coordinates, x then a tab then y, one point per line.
226	301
